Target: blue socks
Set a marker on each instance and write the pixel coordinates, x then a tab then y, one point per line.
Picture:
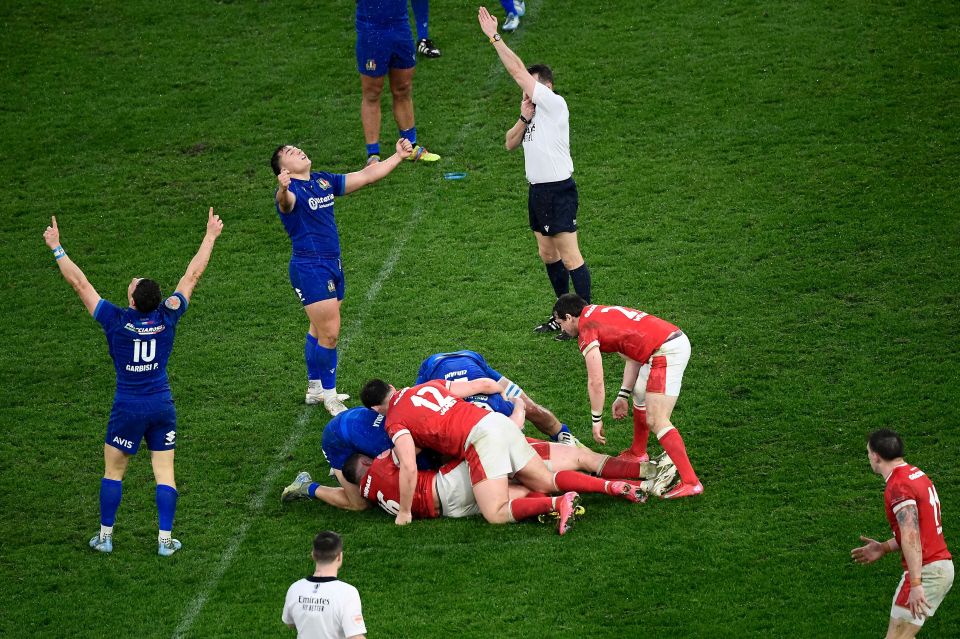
310	355
313	490
111	491
581	281
166	505
508	6
326	359
557	273
410	134
421	13
373	149
563	429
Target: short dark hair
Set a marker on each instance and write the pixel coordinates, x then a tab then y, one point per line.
542	71
275	159
146	296
326	546
374	392
569	304
886	443
353	468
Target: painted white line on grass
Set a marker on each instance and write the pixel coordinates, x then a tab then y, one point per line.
256	504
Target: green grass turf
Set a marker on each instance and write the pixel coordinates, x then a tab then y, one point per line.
780	180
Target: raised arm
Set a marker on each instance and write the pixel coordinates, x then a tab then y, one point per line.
511	61
199	262
514	136
378	170
71	272
285	199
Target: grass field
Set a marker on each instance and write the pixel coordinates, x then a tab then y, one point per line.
778	179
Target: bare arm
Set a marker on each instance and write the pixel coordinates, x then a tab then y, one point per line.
514	136
511	61
199	262
378	170
70	271
596	392
872	549
407	457
480	386
631	370
912	548
285	199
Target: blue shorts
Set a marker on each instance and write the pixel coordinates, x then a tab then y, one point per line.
378	51
132	420
316	279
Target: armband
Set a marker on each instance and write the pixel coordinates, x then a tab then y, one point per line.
596	416
624	393
512	391
59	252
495	38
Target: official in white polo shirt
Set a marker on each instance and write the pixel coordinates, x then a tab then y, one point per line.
321	606
543	129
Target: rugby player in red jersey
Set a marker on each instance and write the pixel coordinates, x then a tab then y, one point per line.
913	510
433	415
656	353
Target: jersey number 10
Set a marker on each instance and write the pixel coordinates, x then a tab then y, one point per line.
144	351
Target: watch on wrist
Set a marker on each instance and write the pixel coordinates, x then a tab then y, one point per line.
495	38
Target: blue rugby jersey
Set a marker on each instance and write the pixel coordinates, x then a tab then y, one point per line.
140	344
382	14
355	430
467	365
311	225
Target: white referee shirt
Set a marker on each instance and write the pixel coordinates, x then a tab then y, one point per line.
546	142
324	608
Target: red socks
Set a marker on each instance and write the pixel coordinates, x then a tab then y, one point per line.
641	431
568	480
615	468
673	444
528	507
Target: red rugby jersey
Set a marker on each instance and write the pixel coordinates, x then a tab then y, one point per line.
909	486
434	418
381	485
618	329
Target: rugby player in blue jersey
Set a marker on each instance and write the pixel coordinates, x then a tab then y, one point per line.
140	339
304	202
385	47
470	365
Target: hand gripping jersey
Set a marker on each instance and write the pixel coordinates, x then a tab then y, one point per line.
909	486
617	329
464	365
311	225
381	485
433	417
140	344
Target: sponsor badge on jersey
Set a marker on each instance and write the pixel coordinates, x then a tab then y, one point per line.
172	302
323	183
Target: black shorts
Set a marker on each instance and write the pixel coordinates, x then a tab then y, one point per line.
553	207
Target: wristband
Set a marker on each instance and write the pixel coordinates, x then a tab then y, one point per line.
524	120
59	252
596	416
495	38
915	581
624	392
512	391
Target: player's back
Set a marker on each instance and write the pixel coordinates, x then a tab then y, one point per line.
355	430
618	329
464	365
435	419
381	485
311	224
908	485
140	344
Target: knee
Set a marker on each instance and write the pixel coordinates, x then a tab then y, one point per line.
572	262
549	256
401	90
499	517
658	424
328	340
371	96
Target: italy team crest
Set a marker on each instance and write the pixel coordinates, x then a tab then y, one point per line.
323	183
371	65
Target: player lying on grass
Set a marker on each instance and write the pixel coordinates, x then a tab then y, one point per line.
447	491
471	365
656	354
435	416
360	430
140	339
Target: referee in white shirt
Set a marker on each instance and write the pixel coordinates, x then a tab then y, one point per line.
321	606
544	130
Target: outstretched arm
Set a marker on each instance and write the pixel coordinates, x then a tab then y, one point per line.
71	272
199	262
467	388
511	61
378	170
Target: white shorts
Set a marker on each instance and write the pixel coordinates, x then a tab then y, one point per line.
663	372
937	578
496	448
455	493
